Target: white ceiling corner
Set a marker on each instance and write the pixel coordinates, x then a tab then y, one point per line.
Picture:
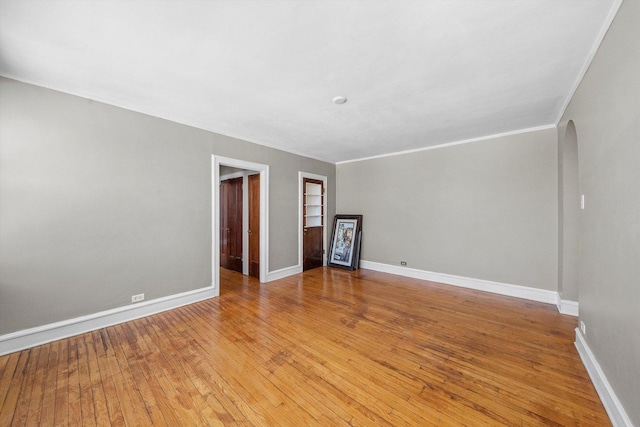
416	73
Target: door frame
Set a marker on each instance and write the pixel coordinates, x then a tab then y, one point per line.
216	161
301	176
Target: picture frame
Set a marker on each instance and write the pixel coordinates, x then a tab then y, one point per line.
344	251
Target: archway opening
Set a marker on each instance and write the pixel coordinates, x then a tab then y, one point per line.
568	209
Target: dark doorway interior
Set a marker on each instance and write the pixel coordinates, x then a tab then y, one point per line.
231	224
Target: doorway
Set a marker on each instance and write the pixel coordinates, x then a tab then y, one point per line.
313	212
568	214
253	219
240	220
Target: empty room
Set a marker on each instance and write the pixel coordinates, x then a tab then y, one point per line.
338	213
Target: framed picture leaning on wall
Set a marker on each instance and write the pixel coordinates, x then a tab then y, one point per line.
344	251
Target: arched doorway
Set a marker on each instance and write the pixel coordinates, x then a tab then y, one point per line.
568	209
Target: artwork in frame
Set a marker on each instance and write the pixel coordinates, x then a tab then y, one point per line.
344	251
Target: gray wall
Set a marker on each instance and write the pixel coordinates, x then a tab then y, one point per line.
606	113
98	203
486	210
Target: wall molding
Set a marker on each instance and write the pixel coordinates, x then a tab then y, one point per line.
533	294
39	335
592	54
284	272
568	307
612	405
450	144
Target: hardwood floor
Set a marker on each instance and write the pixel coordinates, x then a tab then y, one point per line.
327	347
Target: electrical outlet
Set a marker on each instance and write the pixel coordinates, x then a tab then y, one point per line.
583	328
403	262
137	298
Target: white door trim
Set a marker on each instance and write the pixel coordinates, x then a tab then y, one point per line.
216	161
301	176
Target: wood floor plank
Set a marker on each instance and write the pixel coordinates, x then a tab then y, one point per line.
100	345
47	417
74	402
291	383
377	380
18	378
119	406
185	393
7	373
201	378
326	347
135	380
213	375
61	414
242	380
96	382
25	390
161	398
37	393
87	393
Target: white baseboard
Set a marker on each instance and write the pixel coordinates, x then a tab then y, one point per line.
284	272
39	335
534	294
612	405
568	307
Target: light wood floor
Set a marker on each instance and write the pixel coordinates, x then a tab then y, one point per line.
327	347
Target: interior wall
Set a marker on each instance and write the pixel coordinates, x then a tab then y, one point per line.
229	170
98	203
484	210
606	112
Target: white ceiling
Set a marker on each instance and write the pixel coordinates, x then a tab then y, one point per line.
416	73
